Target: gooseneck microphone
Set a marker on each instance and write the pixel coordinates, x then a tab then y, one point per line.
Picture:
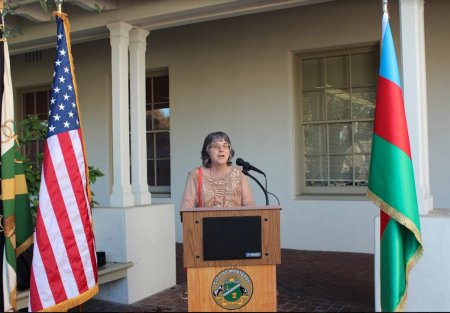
247	166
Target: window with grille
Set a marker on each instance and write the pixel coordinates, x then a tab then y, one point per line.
35	101
158	132
335	107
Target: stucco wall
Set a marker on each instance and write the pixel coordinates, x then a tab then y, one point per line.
437	43
236	75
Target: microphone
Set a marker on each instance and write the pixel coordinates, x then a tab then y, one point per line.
247	166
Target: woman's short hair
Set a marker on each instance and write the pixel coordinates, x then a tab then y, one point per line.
209	140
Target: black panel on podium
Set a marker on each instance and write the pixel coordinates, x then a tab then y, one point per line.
232	238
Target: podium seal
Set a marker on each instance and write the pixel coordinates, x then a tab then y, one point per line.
232	288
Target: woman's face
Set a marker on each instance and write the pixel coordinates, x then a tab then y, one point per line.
219	152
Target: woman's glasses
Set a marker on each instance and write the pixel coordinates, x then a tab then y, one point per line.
217	147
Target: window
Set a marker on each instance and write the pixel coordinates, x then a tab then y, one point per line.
35	101
158	132
335	106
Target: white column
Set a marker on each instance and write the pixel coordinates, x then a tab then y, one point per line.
415	95
121	194
138	117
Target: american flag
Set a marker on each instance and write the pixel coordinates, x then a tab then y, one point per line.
64	268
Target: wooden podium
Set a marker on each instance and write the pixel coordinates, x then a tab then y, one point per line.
231	255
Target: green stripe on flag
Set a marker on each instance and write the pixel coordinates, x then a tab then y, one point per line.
399	252
392	188
392	181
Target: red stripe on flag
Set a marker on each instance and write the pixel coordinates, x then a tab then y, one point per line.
35	300
390	119
49	261
63	219
384	220
73	165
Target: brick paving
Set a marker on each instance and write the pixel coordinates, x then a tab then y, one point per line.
307	281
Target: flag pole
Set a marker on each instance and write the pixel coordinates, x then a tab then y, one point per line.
59	6
385	6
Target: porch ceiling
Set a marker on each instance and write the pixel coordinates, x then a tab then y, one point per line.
37	29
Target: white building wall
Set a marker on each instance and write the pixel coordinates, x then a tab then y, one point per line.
438	77
236	75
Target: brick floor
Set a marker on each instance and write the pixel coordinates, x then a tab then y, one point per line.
307	281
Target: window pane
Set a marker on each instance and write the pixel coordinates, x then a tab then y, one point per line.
163	168
148	90
161	118
363	132
150	146
161	89
42	102
315	139
363	101
341	170
338	104
312	71
148	117
28	99
361	168
313	106
340	138
316	171
162	145
363	69
151	172
338	71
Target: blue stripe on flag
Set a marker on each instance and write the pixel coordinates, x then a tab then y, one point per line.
388	62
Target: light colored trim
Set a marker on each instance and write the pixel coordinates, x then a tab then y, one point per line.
137	49
149	15
412	35
121	195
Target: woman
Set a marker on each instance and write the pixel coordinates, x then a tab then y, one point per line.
217	183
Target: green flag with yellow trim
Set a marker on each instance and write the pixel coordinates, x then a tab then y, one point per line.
17	224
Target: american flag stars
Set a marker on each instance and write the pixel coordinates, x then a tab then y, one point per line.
63	114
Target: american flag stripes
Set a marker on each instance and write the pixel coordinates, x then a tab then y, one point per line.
64	268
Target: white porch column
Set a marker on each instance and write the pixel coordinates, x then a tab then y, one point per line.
138	117
415	95
121	194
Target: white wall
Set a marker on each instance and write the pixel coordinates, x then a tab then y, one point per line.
236	75
437	41
143	235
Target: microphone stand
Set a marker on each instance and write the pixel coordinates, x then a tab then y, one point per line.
260	185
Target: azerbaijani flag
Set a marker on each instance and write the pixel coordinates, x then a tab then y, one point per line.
391	182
